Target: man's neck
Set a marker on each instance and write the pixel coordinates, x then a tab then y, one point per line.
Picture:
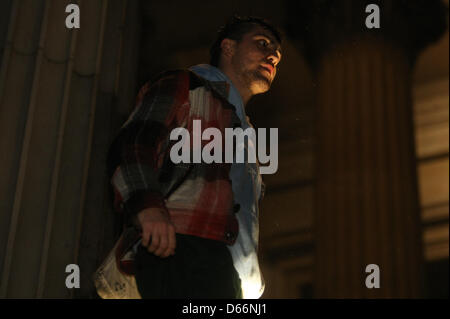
243	90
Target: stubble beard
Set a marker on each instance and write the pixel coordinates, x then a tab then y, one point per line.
258	80
254	79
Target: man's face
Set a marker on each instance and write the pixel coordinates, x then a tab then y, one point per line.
255	59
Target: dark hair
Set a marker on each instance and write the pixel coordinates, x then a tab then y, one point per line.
235	29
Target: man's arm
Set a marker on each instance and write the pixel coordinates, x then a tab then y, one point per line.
138	154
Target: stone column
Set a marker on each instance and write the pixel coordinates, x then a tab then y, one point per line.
367	209
61	93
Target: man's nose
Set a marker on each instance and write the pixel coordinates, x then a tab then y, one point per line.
273	58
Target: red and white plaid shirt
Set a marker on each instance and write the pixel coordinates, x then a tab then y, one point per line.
197	197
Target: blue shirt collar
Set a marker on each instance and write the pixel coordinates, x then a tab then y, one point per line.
214	74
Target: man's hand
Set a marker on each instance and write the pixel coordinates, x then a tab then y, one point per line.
156	226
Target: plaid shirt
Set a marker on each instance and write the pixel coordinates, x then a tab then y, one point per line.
198	198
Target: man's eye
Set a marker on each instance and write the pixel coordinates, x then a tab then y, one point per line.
264	43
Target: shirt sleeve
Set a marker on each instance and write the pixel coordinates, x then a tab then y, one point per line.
142	145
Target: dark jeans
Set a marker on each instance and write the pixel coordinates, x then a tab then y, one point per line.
200	268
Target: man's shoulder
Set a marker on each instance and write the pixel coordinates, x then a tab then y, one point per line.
176	75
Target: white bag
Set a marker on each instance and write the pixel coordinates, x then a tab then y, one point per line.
110	282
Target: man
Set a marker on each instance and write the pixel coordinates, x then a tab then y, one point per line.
198	221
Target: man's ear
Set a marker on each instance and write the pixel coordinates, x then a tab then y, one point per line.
228	47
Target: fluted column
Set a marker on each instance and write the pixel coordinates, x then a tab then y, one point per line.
61	92
367	208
